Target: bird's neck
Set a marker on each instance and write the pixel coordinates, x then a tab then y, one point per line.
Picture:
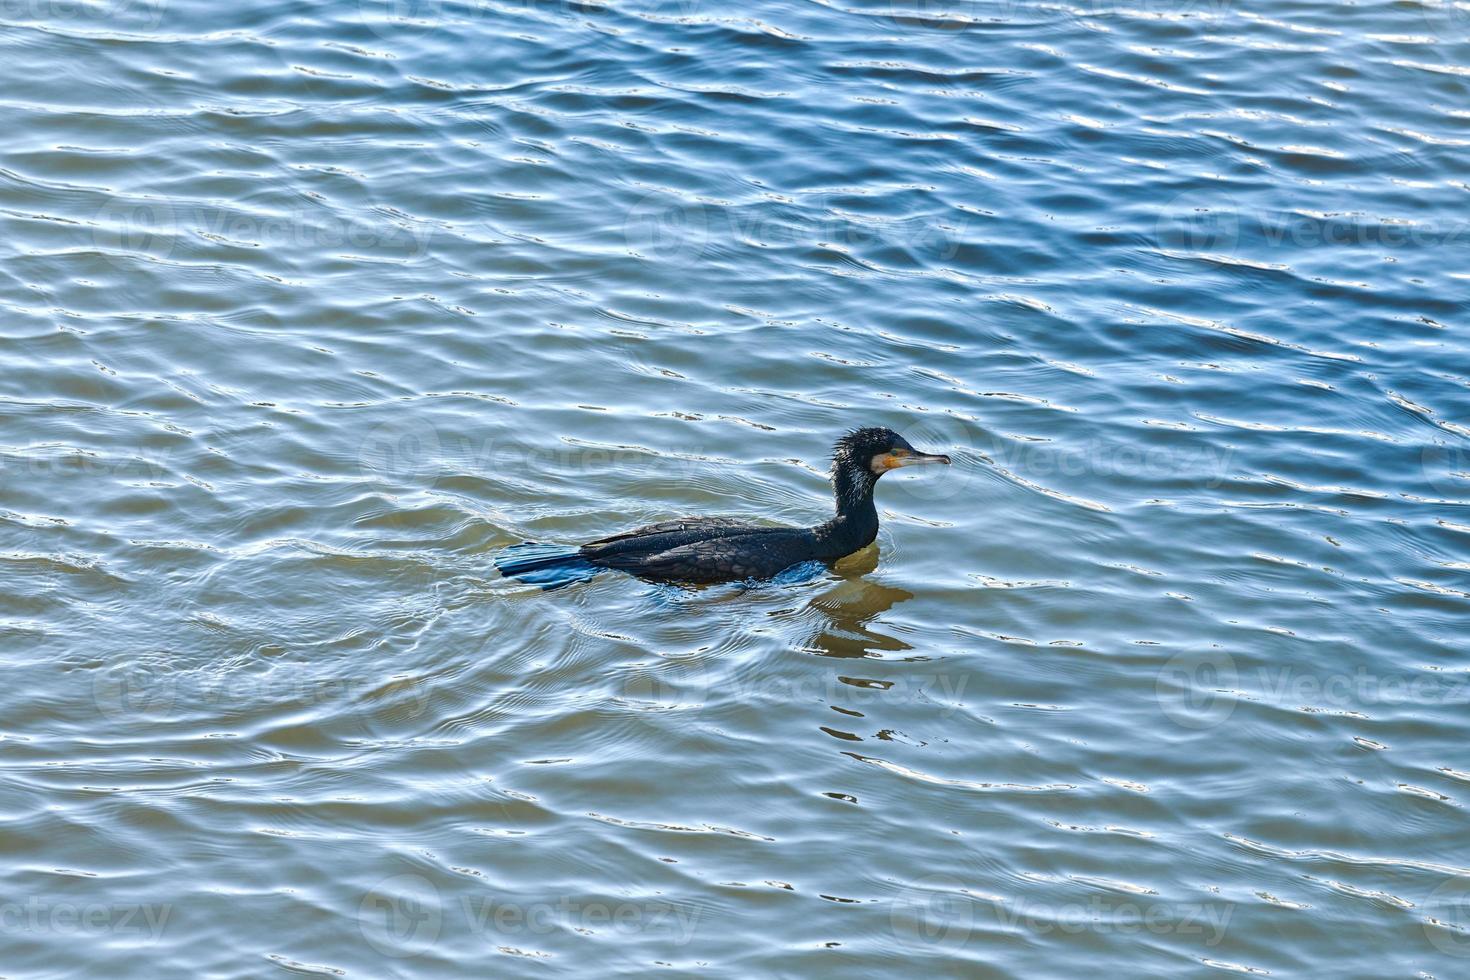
855	524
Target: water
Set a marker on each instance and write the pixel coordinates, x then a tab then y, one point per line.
310	309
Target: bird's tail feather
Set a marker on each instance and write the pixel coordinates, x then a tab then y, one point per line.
547	565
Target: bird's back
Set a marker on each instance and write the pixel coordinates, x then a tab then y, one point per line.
708	549
668	534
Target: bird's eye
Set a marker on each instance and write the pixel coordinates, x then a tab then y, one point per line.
883	462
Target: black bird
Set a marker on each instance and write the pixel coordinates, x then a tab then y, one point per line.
718	549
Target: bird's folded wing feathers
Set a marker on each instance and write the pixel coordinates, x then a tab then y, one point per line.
710	560
657	538
674	526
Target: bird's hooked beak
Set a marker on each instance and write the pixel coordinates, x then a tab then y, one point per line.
897	458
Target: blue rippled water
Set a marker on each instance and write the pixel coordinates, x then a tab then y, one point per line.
307	310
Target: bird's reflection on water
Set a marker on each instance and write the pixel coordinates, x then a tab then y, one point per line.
834	622
847	609
732	647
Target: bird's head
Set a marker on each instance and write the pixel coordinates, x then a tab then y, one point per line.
879	450
863	455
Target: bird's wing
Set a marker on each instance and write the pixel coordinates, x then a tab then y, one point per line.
702	525
619	549
714	559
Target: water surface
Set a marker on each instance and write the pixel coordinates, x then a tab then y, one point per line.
308	309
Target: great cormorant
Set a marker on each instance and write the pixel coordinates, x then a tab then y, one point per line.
718	549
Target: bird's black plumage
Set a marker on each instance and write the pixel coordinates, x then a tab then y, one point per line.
717	549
